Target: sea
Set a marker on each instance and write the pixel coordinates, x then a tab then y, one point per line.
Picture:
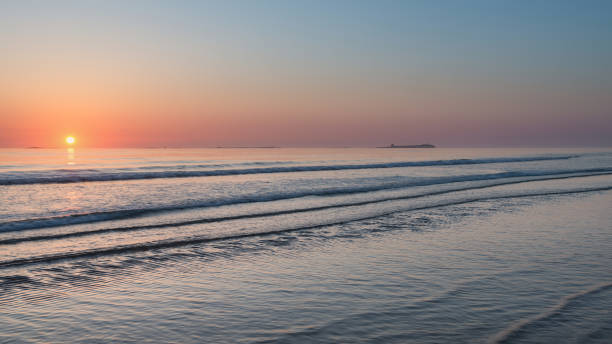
306	245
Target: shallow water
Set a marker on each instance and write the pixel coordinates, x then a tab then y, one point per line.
303	245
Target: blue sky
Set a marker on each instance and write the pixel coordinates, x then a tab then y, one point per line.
311	72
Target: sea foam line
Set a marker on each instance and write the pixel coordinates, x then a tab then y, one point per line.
69	176
510	332
198	240
73	219
13	241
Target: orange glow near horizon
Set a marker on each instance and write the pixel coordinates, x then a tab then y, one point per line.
208	76
70	140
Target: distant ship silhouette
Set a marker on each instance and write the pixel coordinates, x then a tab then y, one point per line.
424	145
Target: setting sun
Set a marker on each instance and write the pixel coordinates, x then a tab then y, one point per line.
70	140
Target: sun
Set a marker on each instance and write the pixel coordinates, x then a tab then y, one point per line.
70	140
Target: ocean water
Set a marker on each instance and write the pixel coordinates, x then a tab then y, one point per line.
306	245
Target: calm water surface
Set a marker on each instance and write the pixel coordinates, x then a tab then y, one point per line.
306	245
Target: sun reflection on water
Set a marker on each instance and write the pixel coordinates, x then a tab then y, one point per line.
70	156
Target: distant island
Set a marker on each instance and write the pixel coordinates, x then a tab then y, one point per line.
424	145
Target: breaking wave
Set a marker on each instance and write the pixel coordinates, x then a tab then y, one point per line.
162	244
81	218
97	175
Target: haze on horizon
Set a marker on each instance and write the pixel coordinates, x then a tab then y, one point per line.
311	73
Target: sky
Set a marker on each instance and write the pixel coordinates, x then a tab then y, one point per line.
305	73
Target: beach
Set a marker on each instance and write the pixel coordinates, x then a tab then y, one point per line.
306	245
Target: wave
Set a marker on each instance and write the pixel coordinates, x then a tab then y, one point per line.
509	333
81	218
77	176
207	165
163	244
271	213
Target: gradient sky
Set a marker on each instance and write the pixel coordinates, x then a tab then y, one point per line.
307	73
